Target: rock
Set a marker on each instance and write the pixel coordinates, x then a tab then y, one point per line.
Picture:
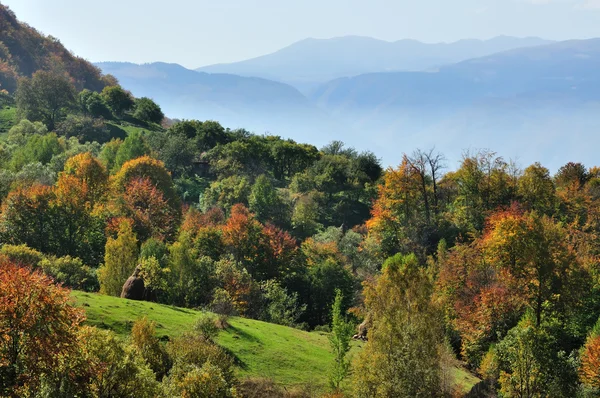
134	288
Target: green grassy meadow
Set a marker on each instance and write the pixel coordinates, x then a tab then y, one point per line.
288	356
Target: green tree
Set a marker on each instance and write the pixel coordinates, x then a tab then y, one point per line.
21	132
120	259
264	201
133	147
402	356
148	111
92	104
117	99
45	97
339	340
39	148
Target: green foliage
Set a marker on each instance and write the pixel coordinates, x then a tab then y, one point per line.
22	255
45	97
117	99
133	147
39	148
109	154
226	192
92	104
117	370
148	346
265	202
280	306
401	358
325	279
207	327
530	364
339	340
21	132
120	259
71	272
192	276
148	111
84	128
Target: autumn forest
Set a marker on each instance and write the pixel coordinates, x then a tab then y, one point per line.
488	265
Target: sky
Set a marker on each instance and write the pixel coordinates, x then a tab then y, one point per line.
195	33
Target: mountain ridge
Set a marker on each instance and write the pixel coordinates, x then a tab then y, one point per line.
310	62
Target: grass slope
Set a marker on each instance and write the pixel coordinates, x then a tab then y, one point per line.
288	356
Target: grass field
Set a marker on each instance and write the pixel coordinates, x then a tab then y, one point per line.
289	356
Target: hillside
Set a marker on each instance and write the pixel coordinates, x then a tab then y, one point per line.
289	356
24	50
308	63
256	104
506	101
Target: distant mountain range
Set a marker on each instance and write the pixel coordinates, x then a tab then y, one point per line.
310	62
256	104
534	103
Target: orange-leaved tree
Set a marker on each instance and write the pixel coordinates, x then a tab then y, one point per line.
38	327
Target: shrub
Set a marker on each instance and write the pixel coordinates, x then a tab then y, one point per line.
22	255
71	272
148	346
85	129
191	350
207	327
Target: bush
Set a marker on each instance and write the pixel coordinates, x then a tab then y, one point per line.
85	129
222	303
207	327
71	272
191	351
148	346
115	367
201	382
22	255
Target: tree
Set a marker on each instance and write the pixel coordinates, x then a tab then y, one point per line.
21	132
120	260
154	170
536	189
87	169
38	326
39	148
148	111
401	358
339	340
27	217
92	104
118	100
264	201
589	370
45	97
150	211
535	252
133	147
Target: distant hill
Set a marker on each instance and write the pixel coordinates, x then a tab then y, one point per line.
256	104
309	62
542	102
24	50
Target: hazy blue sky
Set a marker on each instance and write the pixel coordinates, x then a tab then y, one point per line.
199	32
